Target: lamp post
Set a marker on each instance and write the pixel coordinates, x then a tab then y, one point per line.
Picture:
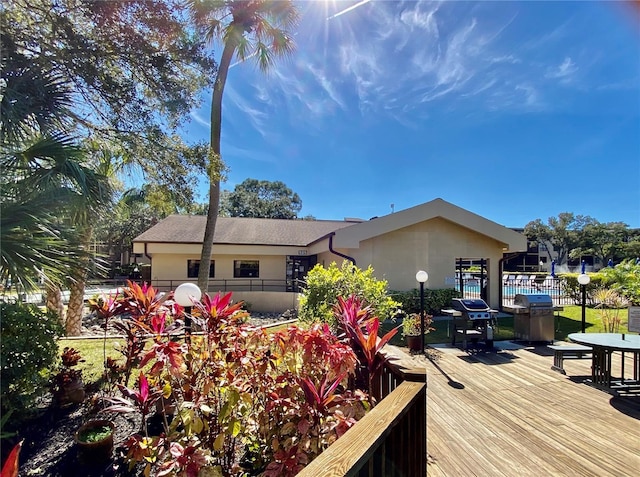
185	295
583	280
422	277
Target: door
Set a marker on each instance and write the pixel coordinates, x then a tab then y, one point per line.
472	278
297	269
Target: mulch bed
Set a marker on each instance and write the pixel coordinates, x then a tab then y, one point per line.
48	442
49	449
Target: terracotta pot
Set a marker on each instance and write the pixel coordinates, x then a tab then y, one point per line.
96	452
414	343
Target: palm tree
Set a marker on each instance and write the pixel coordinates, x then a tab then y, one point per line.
45	179
84	217
254	28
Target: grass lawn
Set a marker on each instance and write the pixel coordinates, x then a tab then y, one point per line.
91	349
567	321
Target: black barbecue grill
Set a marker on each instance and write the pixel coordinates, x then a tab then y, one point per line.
472	320
472	309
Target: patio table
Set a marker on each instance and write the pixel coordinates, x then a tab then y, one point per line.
603	345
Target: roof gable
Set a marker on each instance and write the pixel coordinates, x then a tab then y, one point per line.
352	236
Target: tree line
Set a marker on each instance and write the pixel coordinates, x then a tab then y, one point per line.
571	237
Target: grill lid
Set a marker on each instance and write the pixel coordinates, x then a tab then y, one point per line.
533	300
466	304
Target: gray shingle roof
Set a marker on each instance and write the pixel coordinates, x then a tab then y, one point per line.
241	230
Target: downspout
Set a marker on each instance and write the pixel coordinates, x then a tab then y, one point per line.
145	252
500	288
351	259
150	263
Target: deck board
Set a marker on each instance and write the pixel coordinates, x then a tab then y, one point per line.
507	413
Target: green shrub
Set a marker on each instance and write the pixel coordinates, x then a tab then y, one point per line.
624	278
434	300
27	352
325	285
572	289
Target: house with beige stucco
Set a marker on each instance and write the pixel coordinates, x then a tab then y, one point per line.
263	261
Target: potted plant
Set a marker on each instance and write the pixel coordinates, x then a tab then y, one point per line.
94	440
412	330
67	386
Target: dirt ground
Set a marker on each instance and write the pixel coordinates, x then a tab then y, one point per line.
49	449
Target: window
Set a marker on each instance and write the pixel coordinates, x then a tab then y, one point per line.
193	268
246	268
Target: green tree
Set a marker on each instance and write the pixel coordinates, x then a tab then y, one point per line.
133	71
136	210
258	29
325	285
45	177
603	241
562	233
631	246
84	216
265	199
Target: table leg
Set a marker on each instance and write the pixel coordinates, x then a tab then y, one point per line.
601	367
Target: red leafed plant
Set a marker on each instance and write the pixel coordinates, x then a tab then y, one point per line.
142	399
246	401
213	314
140	302
68	375
10	467
361	330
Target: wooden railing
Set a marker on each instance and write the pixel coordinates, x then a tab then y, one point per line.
391	440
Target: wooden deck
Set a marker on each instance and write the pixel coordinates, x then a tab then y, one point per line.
508	414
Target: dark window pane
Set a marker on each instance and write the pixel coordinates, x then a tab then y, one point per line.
193	268
246	268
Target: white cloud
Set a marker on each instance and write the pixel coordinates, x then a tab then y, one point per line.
199	119
402	57
256	155
564	71
531	96
258	118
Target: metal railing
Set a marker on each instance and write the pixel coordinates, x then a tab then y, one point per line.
231	284
513	285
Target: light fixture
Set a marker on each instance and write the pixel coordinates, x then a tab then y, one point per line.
422	277
583	280
184	295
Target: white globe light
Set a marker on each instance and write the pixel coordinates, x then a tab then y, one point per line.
186	294
584	279
422	276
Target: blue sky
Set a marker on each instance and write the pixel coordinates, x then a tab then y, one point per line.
512	110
